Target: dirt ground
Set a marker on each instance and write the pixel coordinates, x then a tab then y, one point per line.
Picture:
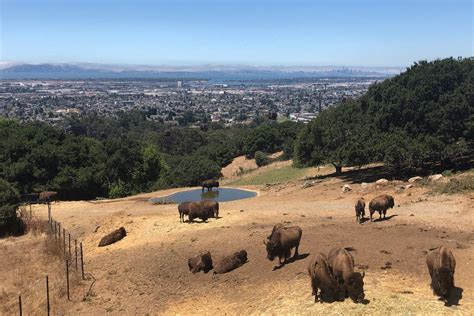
146	272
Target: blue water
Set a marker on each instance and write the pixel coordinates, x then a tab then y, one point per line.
219	195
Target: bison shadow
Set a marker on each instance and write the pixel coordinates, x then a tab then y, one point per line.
454	297
364	219
385	219
291	260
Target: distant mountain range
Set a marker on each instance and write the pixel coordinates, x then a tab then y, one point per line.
208	72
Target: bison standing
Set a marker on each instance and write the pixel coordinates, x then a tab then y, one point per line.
360	209
281	241
381	204
209	184
211	207
322	278
441	265
342	265
231	262
201	262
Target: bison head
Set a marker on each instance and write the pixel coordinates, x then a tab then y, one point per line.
273	247
242	255
391	202
216	184
444	281
356	287
206	262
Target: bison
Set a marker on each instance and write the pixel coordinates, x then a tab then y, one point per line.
281	241
360	209
441	265
381	204
211	207
113	237
183	209
342	265
231	262
322	278
209	184
201	262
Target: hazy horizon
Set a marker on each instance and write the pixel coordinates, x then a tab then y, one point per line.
366	33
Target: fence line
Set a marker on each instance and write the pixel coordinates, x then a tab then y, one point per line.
44	292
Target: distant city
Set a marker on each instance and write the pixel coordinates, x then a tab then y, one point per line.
178	102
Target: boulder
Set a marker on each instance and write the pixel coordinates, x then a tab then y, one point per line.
113	237
381	181
346	188
364	185
415	179
307	184
435	177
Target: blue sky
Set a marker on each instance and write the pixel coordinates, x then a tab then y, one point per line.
325	32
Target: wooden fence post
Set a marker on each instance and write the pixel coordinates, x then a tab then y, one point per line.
19	305
64	241
67	279
82	262
75	251
47	295
49	211
69	242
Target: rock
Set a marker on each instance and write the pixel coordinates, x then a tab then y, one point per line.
408	186
414	179
307	185
382	181
435	177
364	185
346	188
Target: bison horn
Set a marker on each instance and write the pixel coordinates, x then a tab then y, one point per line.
363	274
264	242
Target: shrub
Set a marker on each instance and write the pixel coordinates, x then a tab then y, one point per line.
9	202
261	159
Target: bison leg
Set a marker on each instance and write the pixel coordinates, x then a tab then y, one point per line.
371	213
296	252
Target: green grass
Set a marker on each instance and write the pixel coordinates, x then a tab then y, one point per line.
279	175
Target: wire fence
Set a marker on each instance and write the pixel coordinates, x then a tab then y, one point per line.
66	279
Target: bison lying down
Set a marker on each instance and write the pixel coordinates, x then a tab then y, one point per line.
441	265
342	265
201	262
322	279
381	204
281	241
231	262
113	237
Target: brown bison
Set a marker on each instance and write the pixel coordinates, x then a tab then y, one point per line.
47	196
113	237
381	204
201	262
211	207
231	262
281	241
360	209
209	184
322	278
441	265
342	265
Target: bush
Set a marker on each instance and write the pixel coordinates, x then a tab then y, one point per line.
9	202
261	159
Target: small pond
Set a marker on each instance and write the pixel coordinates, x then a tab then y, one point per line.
219	195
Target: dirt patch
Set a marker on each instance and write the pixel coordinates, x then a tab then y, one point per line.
238	166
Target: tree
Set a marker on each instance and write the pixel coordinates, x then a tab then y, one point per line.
9	202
